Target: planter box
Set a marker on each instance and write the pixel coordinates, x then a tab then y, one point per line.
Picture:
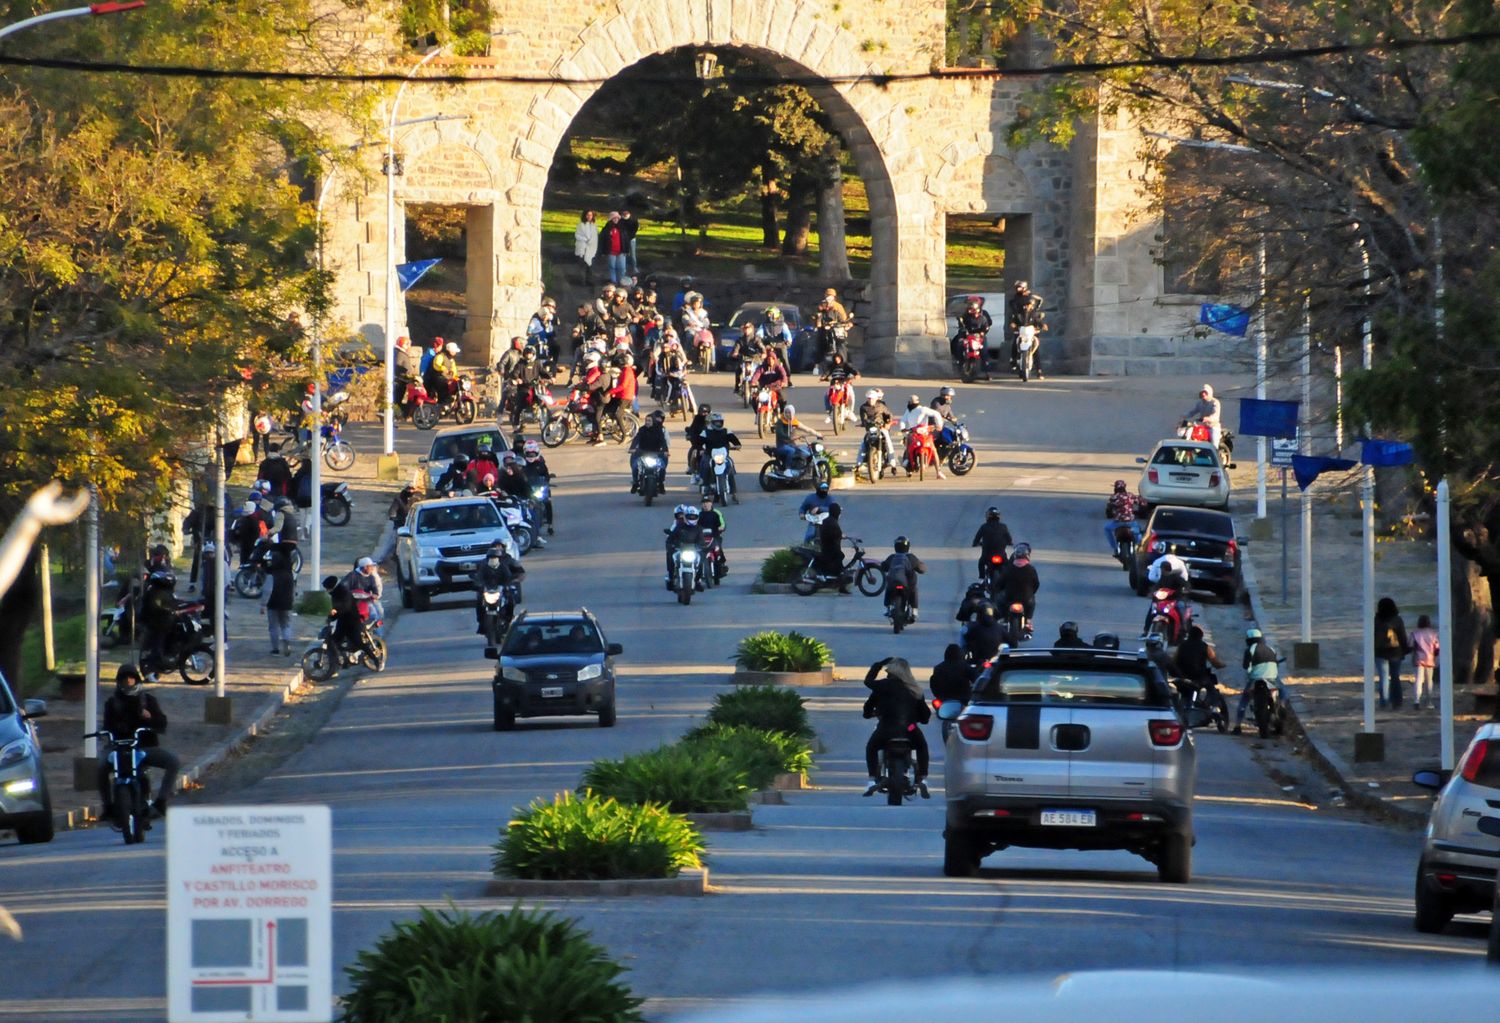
689	882
822	677
844	482
734	820
767	797
787	782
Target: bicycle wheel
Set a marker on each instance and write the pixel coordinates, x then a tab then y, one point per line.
338	456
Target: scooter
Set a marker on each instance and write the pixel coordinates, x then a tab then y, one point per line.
864	572
1165	618
971	358
130	789
1026	342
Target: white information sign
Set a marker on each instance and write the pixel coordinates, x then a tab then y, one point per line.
1282	450
249	914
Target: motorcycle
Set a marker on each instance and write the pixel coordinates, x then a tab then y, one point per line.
840	404
250	579
875	456
1265	701
427	410
1191	430
117	624
653	470
718	484
957	453
1202	704
188	647
899	609
767	401
898	779
336	506
742	381
1125	545
1017	625
325	657
864	572
1026	344
576	418
499	611
971	358
920	451
678	400
816	469
703	348
129	787
687	572
994	576
715	565
1166	618
514	517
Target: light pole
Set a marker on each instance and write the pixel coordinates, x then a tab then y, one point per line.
92	10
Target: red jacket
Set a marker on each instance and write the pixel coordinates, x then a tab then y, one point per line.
612	240
624	388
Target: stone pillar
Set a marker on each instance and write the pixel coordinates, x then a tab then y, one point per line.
479	297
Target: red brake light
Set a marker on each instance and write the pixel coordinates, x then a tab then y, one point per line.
976	726
936	703
997	559
1148	540
1213	479
1474	762
1231	549
1152	476
1165	733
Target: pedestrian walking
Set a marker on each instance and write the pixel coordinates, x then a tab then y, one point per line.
629	226
395	518
612	241
586	244
1424	648
280	596
1391	647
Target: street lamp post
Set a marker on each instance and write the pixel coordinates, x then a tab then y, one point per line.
92	10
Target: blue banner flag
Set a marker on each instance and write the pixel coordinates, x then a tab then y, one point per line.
1229	319
410	273
1262	418
1309	467
1386	453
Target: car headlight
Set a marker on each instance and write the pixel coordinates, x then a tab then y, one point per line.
427	552
15	752
513	674
20	787
590	671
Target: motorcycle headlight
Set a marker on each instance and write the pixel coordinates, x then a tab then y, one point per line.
513	674
492	598
15	752
590	671
719	458
650	460
539	493
689	557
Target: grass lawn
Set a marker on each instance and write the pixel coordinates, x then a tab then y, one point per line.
976	249
68	642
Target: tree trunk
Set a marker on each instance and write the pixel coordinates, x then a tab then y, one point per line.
18	610
799	214
770	231
1473	633
833	250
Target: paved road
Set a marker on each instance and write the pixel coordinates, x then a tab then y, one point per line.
419	784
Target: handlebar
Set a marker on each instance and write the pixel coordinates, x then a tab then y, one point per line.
139	733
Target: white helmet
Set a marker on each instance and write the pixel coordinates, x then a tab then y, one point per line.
451	348
874	394
592	359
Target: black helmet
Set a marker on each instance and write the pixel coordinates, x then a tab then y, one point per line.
987	612
822	487
992	513
460	461
903	545
330	582
1069	629
977	590
1155	641
127	679
834	509
1106	641
497	550
161	577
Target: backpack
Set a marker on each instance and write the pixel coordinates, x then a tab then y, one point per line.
899	572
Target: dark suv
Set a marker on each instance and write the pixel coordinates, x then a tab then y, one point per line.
1070	749
1202	537
554	662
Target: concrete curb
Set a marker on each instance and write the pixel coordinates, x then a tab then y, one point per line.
733	820
1327	759
693	881
88	813
789	781
821	677
768	797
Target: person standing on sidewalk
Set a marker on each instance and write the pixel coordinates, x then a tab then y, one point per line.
1391	646
1425	647
281	595
586	244
629	227
612	241
395	518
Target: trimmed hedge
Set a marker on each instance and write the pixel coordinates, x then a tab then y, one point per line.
681	778
487	968
782	566
589	837
773	708
759	753
782	651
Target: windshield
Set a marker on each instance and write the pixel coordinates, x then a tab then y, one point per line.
1201	457
1036	685
479	515
755	316
447	448
1185	520
569	637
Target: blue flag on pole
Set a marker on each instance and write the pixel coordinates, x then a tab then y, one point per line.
410	273
1260	417
1386	453
1309	467
1229	319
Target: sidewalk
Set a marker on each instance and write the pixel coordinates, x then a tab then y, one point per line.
1328	701
258	682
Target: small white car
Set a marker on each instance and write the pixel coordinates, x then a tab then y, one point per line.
1188	472
442	543
1462	846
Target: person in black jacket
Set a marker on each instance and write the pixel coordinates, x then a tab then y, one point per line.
902	569
130	708
984	636
992	538
158	616
498	571
830	560
952	678
348	630
1067	637
896	701
1021	581
280	597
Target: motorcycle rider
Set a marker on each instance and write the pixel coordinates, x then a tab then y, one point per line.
443	373
984	636
685	532
521	386
484	463
651	437
776	335
973	320
899	708
771	373
943	406
711	519
830	559
408	372
840	375
366	579
131	707
1208	410
672	368
1067	637
1020	582
875	413
595	384
992	538
1025	310
1261	661
158	616
348	631
455	478
1158	654
917	415
498	571
976	599
538	475
902	568
816	502
541	331
829	318
717	436
748	347
1169	571
1122	509
1197	658
789	452
953	678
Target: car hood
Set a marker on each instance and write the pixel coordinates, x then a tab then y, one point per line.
12	729
541	662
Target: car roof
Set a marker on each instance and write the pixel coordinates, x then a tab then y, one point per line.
1192	512
1178	442
1047	657
451	502
747	306
468	431
549	617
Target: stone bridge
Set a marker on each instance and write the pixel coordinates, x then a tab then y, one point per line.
927	147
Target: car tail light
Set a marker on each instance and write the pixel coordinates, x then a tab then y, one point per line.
1446	880
1474	762
1213	479
1152	476
1142	818
1165	733
991	813
976	726
1231	549
1148	540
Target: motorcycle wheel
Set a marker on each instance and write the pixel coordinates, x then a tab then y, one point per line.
425	417
962	460
465	411
338	456
895	786
376	662
648	488
128	813
336	511
1220	711
762	420
872	464
248	582
871	580
1160	626
967	371
626	428
1262	715
296	562
684	594
318	664
768	482
898	615
821	471
557	431
524	537
108	637
197	667
838	419
806	584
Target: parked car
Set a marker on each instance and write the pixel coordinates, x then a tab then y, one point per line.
1202	537
442	543
25	804
994	304
1461	850
1185	472
1069	749
803	352
448	444
551	663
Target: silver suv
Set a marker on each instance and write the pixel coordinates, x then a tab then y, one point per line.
1070	749
442	543
1462	846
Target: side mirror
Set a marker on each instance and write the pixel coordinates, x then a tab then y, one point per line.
1140	461
34	709
950	710
492	653
403	531
1430	779
614	650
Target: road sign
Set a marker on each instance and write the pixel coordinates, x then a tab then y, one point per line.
1262	418
1282	450
249	914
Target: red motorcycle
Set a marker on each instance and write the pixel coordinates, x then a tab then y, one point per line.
427	409
971	358
1169	615
994	575
840	404
920	451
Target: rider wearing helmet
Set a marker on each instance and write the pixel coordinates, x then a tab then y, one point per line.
748	347
130	708
716	435
1067	636
1020	582
497	571
789	431
816	504
1024	309
775	333
897	702
992	538
943	406
455	477
875	414
684	533
901	569
840	377
1261	661
973	320
538	475
1121	509
484	463
1158	654
651	437
1208	411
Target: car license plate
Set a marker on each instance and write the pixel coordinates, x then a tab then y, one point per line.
1068	818
555	692
1185	477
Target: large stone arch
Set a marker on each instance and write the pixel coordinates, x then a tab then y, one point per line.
794	38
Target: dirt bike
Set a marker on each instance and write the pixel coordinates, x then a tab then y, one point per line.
1026	345
767	404
325	656
427	410
971	358
129	787
815	469
840	404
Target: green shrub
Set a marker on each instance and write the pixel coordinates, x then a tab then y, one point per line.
589	837
678	778
782	651
759	753
774	708
315	603
487	968
782	566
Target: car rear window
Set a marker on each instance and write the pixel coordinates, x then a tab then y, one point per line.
575	637
479	515
1202	458
1040	685
1193	521
466	444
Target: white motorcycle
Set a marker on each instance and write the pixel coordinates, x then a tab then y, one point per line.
1026	345
718	484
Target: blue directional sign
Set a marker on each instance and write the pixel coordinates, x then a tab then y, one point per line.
1262	418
